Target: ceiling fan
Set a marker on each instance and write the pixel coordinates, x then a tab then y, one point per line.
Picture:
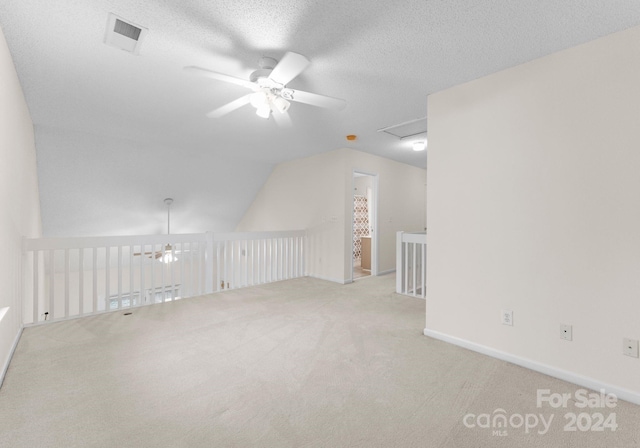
167	255
269	86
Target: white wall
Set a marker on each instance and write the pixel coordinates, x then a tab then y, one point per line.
316	193
533	205
19	200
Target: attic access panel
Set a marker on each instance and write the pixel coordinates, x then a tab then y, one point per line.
407	129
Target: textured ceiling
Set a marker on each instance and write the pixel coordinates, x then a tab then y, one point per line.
117	133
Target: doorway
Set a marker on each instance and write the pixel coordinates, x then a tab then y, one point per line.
364	225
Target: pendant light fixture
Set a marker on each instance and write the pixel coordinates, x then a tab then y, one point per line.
168	256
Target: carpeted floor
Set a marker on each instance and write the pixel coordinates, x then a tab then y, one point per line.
301	363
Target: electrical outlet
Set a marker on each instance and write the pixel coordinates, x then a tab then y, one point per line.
630	347
566	332
506	317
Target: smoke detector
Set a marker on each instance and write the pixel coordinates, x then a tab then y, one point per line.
123	34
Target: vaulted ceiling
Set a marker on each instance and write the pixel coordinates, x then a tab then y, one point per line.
116	133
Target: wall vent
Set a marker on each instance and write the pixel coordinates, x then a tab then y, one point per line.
123	34
407	129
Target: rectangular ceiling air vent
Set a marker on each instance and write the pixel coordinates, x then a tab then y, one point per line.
123	34
407	129
127	30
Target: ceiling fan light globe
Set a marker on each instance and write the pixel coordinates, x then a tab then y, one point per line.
263	111
281	104
259	99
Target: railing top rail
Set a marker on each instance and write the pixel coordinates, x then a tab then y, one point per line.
31	244
235	236
420	238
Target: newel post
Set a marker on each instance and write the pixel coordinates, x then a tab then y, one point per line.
399	267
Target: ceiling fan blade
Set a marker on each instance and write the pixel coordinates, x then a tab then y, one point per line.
282	119
230	107
290	66
314	99
221	77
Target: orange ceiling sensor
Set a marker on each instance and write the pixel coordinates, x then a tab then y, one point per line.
351	137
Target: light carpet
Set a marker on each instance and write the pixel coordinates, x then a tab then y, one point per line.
300	363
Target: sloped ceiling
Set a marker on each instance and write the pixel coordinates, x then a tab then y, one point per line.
117	133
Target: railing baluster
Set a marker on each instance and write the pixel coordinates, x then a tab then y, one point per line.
120	278
299	242
162	277
81	281
246	263
285	258
276	259
219	262
182	256
191	267
280	258
201	268
295	257
94	267
406	268
241	263
51	285
151	297
303	267
263	260
107	285
269	260
291	257
415	270
250	263
233	264
66	283
36	281
423	270
131	292
225	263
172	267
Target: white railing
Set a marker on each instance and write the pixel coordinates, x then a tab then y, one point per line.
248	259
411	264
73	277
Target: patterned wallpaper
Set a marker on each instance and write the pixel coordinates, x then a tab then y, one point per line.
360	223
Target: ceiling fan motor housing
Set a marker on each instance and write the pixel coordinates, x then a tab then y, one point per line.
267	63
260	73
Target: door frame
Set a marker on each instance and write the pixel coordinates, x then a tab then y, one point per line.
374	224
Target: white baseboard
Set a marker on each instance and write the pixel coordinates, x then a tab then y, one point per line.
571	377
8	361
342	282
348	280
